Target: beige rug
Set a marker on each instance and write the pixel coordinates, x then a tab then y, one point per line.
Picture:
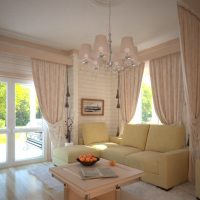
136	191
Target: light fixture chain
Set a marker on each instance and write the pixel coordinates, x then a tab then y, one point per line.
109	37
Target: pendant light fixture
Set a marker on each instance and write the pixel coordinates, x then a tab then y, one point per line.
102	54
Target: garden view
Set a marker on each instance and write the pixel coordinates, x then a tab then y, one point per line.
22	115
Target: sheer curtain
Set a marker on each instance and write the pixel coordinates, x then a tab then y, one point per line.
190	48
130	84
50	83
167	88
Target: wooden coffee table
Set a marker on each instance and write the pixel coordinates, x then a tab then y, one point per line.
102	188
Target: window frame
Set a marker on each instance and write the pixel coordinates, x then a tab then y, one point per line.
11	128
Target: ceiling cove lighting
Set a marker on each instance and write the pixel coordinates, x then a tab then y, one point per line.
102	54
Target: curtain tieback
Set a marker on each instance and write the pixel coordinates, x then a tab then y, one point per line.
57	124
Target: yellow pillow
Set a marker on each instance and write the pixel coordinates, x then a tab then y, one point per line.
164	138
135	135
94	132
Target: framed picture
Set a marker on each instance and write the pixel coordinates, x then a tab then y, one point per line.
92	107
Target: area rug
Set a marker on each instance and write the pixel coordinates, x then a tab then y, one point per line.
136	191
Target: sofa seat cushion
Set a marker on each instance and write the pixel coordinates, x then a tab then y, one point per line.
118	153
164	138
103	145
135	135
69	154
147	161
94	133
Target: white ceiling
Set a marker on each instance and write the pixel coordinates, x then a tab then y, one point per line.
66	24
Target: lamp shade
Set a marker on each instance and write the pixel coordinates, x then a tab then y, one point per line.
100	46
127	47
85	52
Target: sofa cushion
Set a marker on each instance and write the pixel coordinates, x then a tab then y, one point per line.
94	132
117	153
147	161
164	138
69	154
135	135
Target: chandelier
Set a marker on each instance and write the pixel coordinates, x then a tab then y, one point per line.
102	54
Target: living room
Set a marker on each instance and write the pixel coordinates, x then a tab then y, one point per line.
34	121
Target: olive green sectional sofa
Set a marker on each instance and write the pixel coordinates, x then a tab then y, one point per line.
158	150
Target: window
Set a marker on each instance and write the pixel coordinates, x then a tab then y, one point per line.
21	124
145	112
3	116
3	90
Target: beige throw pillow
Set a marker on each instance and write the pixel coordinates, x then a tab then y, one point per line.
164	138
135	135
94	132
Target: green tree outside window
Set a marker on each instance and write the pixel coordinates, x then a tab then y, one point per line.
22	103
2	105
146	103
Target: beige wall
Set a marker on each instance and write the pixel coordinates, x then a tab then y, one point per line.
91	84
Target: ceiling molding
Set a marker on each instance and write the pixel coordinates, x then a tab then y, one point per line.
169	47
33	50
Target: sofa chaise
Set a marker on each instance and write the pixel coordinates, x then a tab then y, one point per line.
158	150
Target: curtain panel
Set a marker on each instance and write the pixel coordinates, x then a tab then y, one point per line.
167	88
129	89
190	48
50	84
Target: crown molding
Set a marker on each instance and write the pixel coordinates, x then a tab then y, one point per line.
169	47
32	50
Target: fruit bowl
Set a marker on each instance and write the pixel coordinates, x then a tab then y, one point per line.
87	160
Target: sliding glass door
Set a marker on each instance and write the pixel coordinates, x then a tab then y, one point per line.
22	138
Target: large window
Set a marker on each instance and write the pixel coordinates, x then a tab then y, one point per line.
3	111
145	112
21	124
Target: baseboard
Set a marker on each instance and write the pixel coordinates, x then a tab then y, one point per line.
165	189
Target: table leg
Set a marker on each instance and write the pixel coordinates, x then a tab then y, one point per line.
87	197
66	192
117	192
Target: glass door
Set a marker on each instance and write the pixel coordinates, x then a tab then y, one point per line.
29	137
22	139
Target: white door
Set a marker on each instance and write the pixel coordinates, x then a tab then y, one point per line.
22	139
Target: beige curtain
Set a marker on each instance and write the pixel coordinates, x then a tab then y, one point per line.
129	89
190	48
167	88
50	83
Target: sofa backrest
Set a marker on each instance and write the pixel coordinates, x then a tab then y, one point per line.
164	138
94	132
135	135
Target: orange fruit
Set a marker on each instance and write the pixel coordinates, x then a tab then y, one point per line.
112	162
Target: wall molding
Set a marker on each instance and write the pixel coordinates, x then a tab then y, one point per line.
32	50
169	47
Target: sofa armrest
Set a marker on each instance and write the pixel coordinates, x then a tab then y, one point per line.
115	139
174	166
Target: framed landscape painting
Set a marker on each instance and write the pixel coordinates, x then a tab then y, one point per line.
92	107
